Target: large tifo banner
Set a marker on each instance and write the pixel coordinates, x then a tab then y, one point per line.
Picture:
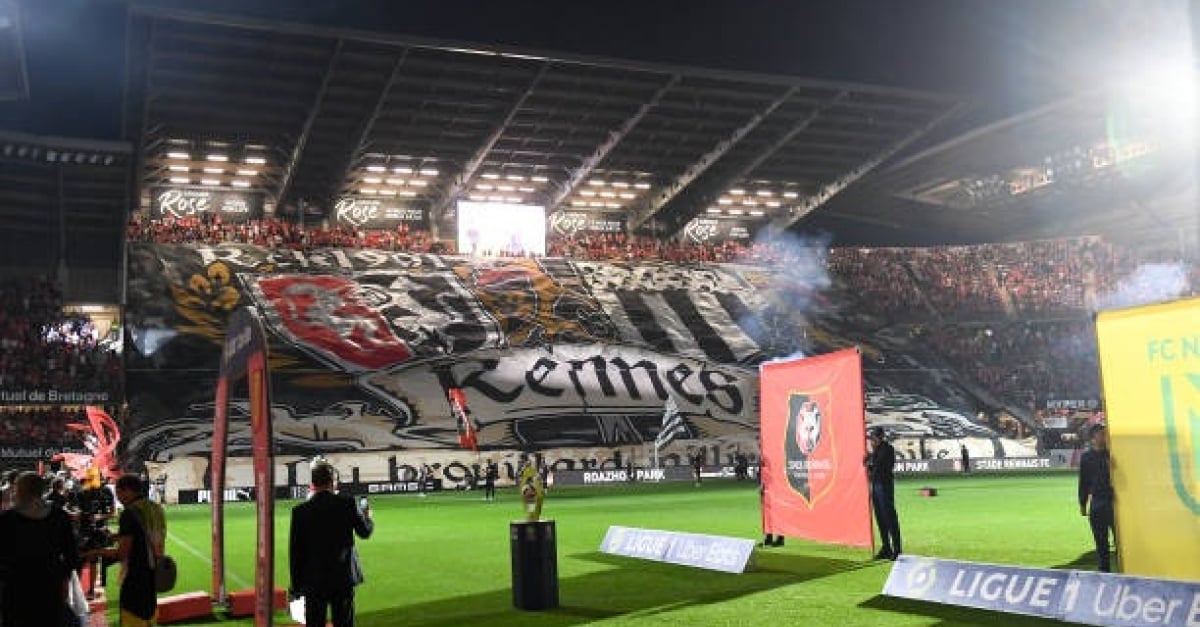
813	442
1150	366
551	354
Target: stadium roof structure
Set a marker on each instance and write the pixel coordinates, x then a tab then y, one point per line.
14	75
1095	163
305	114
75	190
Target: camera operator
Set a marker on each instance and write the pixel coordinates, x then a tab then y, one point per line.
96	507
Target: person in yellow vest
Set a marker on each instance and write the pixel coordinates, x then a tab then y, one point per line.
142	531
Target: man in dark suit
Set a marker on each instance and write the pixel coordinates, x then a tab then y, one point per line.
880	462
1096	493
324	563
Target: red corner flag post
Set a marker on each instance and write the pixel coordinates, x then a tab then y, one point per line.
466	427
813	442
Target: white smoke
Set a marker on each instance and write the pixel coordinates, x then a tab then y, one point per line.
1150	283
799	277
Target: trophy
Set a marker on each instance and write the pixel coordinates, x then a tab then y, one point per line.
531	493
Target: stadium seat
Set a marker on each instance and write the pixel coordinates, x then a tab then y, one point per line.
181	607
241	602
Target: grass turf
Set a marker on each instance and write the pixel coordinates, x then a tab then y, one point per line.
444	560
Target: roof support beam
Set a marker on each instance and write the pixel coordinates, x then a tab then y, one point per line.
368	125
146	52
614	137
471	167
289	169
692	173
812	203
798	127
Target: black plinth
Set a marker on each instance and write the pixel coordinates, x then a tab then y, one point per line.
534	564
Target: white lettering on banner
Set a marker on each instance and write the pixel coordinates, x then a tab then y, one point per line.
53	396
700	230
564	223
1012	463
721	556
605	476
1016	589
247	257
397	486
356	211
803	464
234	204
1074	596
229	494
650	474
362	211
183	202
573	222
1129	607
912	466
35	452
640	545
686	549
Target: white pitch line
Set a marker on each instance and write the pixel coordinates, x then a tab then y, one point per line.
237	581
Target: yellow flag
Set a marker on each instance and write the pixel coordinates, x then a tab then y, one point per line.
1150	366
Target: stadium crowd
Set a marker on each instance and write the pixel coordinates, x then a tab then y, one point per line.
1026	361
1013	318
276	233
47	349
44	426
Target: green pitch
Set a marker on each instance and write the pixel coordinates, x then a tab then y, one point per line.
444	560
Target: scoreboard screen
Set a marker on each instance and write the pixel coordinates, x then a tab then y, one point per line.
494	228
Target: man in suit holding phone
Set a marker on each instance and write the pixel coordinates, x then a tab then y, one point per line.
324	563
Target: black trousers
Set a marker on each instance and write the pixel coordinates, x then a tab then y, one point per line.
883	501
1101	519
340	603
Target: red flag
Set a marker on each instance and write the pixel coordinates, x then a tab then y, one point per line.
813	442
100	437
466	427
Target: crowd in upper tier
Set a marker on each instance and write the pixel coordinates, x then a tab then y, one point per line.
40	426
42	348
1012	319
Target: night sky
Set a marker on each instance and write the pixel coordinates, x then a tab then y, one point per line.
1008	55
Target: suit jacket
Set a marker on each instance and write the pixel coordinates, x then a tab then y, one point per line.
321	546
